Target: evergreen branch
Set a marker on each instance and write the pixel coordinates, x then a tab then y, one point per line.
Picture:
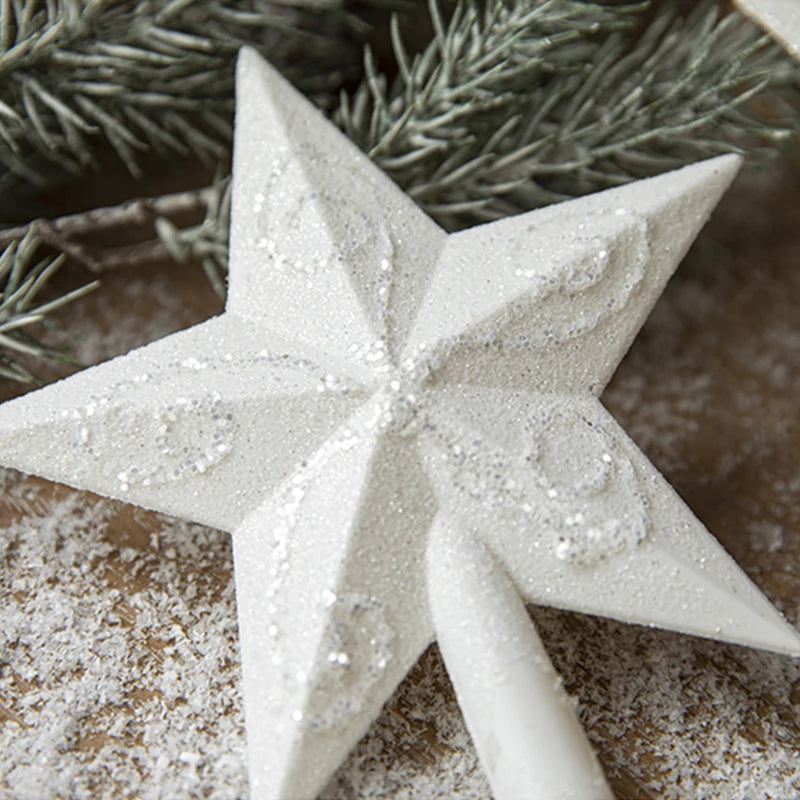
141	75
482	65
516	107
23	279
510	107
206	242
65	233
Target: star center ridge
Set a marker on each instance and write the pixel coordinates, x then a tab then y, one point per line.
399	394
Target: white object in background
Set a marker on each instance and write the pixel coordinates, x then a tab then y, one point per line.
780	17
402	430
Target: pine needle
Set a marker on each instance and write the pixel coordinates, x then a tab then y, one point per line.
24	277
140	76
527	104
514	104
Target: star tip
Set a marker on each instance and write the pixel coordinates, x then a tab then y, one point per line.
729	164
724	168
297	766
781	637
248	56
261	86
702	184
794	648
250	63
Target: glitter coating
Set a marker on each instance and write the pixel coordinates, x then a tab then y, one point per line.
381	399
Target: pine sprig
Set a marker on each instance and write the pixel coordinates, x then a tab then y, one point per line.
513	105
510	108
206	242
139	75
481	64
23	278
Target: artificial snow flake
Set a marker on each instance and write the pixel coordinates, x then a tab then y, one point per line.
780	17
403	432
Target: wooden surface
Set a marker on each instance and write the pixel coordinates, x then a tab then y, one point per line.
710	391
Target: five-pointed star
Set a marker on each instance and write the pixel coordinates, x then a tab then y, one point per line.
779	17
402	430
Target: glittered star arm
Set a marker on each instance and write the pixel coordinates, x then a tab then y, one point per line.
321	240
199	424
330	590
639	554
582	520
551	300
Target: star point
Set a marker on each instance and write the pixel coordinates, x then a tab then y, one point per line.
319	235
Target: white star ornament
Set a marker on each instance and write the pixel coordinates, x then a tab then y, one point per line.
780	17
402	430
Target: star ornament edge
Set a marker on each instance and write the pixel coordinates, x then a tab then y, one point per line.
780	18
295	717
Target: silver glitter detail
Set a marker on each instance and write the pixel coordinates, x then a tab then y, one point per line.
190	435
399	398
562	488
356	648
290	502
